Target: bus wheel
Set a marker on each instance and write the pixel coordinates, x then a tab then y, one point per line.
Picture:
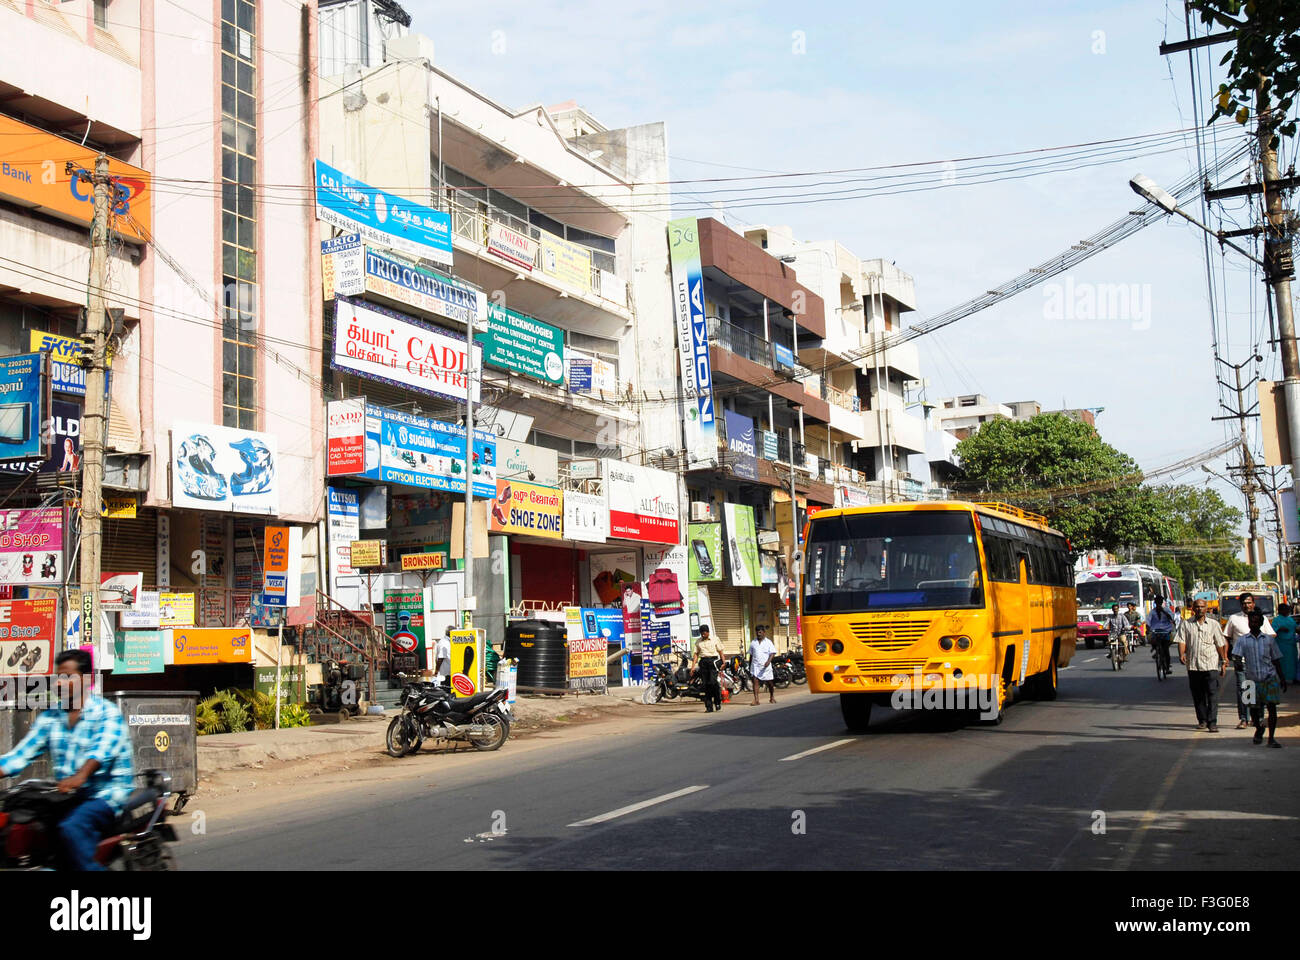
1045	682
1000	708
856	709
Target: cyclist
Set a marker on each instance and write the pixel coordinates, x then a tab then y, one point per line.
1118	626
1160	629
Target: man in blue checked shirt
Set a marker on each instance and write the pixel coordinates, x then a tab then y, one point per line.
90	751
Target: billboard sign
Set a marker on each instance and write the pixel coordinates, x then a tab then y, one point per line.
419	452
344	515
345	437
381	217
62	432
31	546
32	164
386	346
341	266
223	468
742	545
523	345
23	402
27	636
693	342
423	289
511	246
740	441
527	508
705	553
586	517
643	502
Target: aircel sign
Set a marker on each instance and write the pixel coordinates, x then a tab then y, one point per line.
693	342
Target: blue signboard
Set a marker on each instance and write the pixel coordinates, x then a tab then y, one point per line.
419	452
579	375
381	217
784	356
21	395
740	441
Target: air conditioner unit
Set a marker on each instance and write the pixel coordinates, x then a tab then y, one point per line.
702	511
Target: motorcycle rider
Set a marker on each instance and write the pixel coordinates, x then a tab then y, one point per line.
90	752
1135	621
1160	629
1118	626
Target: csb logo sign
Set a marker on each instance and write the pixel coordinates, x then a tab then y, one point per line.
122	190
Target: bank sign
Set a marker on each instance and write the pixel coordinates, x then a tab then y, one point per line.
693	342
523	345
383	345
419	452
381	217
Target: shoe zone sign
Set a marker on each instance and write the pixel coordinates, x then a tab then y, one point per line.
225	469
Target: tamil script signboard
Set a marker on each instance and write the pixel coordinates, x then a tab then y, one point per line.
23	402
382	217
419	452
523	345
387	346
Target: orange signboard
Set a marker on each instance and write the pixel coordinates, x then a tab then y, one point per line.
33	173
211	645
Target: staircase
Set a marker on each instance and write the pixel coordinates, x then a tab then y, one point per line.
348	637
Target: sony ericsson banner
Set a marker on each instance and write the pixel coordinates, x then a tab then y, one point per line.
693	342
419	452
382	217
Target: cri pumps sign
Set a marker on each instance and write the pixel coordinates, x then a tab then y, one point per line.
34	173
693	342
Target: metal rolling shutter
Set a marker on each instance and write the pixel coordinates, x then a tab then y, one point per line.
132	545
728	620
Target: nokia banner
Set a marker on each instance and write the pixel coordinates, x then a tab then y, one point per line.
693	342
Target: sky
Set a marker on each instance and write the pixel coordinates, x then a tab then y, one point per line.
758	87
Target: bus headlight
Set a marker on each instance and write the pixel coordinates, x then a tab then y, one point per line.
963	643
945	643
820	647
837	647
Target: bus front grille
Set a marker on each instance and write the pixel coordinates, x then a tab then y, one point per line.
889	636
890	666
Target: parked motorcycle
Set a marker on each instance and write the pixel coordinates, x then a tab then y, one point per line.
31	810
792	664
431	712
670	684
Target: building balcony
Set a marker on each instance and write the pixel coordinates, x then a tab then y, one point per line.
901	427
883	277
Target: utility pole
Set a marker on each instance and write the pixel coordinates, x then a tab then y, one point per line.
94	417
470	601
1250	483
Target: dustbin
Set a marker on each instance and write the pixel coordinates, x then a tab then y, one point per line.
163	733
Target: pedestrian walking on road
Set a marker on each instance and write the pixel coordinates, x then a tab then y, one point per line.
708	656
761	652
1238	627
1201	647
1284	626
1262	667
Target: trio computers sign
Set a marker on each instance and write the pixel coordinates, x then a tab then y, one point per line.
693	342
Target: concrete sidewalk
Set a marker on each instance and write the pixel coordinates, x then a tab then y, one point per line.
229	751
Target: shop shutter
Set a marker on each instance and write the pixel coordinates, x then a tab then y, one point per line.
131	545
728	624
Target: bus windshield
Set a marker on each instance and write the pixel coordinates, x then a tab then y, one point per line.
1230	606
921	559
1102	593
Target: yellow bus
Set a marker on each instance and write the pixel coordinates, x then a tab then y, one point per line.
945	605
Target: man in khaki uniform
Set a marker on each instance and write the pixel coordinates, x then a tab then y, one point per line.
1201	646
708	654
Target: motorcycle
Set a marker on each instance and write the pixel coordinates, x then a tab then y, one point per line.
431	712
1119	650
31	810
670	684
793	664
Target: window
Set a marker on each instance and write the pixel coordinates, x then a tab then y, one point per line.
239	298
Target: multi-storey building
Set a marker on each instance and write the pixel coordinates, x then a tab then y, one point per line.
214	424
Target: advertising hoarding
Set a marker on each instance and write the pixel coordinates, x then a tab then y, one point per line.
643	502
527	508
222	468
192	645
419	452
383	345
27	636
342	268
511	246
343	511
423	289
586	517
523	345
705	553
590	633
741	443
345	437
31	546
693	341
24	399
382	217
742	545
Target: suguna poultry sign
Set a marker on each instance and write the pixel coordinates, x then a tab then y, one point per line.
387	346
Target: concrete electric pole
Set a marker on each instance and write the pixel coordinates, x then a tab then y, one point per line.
95	415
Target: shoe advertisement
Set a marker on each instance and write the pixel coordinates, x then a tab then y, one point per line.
27	635
222	468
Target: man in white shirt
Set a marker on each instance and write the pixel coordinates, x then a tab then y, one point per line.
442	657
1239	626
761	652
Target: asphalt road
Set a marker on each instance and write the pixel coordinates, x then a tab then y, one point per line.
1112	775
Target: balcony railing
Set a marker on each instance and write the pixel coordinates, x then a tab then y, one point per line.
840	398
470	222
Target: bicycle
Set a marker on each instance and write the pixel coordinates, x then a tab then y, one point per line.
1160	653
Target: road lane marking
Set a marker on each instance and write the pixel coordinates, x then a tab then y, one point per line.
634	807
1157	805
809	753
1092	659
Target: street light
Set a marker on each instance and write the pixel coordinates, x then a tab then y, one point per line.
1149	190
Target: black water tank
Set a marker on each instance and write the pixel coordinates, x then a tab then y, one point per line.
541	648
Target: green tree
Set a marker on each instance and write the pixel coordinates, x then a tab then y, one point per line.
1199	518
1061	468
1265	63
